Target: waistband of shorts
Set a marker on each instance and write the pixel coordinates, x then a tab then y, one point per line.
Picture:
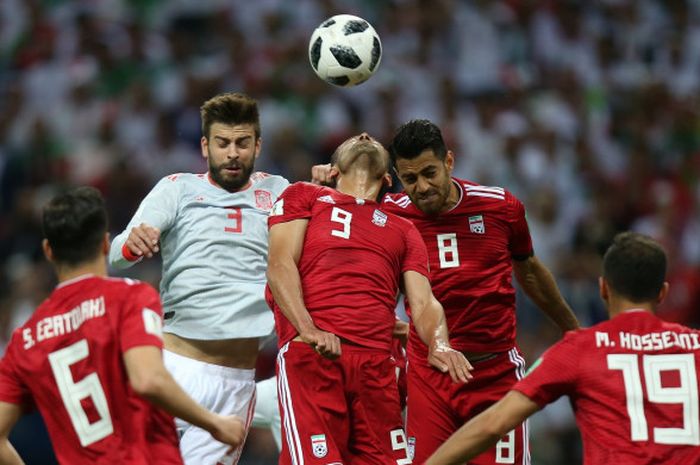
349	347
194	365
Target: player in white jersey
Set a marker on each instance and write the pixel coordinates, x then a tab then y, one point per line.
211	230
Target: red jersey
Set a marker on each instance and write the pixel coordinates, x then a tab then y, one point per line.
471	248
353	257
67	360
633	382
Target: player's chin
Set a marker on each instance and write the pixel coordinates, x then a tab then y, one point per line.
429	206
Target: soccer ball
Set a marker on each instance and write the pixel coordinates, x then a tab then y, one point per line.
345	50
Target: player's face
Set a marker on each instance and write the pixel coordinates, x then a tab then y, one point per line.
231	151
363	143
427	180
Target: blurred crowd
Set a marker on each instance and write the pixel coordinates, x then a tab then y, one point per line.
586	110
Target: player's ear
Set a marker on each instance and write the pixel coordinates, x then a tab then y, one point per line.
258	146
204	144
387	180
663	292
450	161
46	247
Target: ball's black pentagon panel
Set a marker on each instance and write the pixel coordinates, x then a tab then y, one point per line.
354	26
328	23
338	80
345	56
315	53
376	53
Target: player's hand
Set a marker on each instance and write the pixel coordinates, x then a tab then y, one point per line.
325	343
400	332
323	174
229	430
446	359
143	240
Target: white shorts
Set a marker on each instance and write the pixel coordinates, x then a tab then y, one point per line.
267	410
224	390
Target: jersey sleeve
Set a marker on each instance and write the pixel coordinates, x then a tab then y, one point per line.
12	389
416	257
142	318
295	203
520	243
553	375
158	209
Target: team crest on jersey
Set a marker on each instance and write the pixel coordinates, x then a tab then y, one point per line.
476	224
379	218
411	447
319	446
263	199
327	199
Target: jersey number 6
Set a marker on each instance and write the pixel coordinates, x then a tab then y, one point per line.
73	393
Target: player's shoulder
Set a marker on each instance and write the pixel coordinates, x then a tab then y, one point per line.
307	188
262	180
485	193
398	201
127	287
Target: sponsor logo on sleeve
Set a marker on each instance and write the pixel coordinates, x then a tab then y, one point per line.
411	447
152	322
277	208
263	199
319	446
476	224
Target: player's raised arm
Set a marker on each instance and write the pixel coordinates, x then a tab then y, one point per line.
485	430
429	319
9	414
149	378
286	241
154	216
539	284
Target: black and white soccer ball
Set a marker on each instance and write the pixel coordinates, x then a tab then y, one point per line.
345	50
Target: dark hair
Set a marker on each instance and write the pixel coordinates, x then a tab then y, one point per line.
75	223
412	138
230	108
635	267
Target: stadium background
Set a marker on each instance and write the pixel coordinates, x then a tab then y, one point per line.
588	111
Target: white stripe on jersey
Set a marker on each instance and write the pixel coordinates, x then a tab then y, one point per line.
494	189
402	202
485	194
290	427
519	363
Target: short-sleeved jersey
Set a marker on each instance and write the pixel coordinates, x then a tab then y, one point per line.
67	360
352	260
471	248
214	249
633	382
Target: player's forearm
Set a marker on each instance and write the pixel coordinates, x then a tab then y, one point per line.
430	323
285	284
8	454
539	284
119	257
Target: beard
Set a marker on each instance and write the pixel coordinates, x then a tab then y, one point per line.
228	181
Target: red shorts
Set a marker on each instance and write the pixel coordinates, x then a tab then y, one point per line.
339	412
437	407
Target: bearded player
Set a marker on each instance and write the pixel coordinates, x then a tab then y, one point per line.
212	231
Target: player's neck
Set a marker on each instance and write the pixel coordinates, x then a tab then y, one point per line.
361	184
97	267
619	305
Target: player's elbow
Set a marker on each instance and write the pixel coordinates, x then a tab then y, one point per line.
149	385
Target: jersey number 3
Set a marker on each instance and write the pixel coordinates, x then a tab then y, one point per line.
685	394
73	394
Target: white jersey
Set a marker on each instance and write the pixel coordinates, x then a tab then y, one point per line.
214	249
